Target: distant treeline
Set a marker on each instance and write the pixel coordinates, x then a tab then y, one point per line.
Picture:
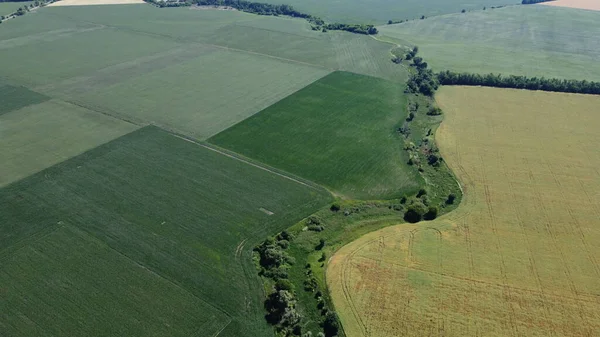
261	8
14	0
531	2
519	82
353	28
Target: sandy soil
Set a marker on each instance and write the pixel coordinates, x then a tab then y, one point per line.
94	2
593	5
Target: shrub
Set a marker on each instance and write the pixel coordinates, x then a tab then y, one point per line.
284	244
434	111
284	284
331	325
421	193
323	257
451	198
414	212
335	207
431	214
320	245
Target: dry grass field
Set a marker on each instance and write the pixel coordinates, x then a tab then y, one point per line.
593	5
519	257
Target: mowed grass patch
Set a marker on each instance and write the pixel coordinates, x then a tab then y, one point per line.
521	40
183	213
518	256
338	132
41	135
14	98
205	95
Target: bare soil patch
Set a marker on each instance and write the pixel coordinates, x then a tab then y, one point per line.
94	2
593	5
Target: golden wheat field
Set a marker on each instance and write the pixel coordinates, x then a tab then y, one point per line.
519	257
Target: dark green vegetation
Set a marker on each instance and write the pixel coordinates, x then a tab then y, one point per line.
533	41
149	234
519	82
531	2
262	8
339	132
14	98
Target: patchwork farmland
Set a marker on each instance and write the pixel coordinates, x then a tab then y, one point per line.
518	257
203	169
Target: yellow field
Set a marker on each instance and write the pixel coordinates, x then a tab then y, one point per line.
593	5
519	257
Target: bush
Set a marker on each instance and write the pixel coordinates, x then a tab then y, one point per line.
284	284
335	207
421	193
331	325
320	245
431	214
451	198
434	111
323	257
414	212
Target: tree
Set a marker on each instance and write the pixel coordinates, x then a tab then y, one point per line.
320	245
390	22
451	198
463	11
331	325
431	214
414	212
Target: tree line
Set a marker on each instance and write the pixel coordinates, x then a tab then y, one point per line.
261	8
531	2
519	82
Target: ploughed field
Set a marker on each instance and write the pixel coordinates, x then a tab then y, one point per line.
519	257
527	40
147	235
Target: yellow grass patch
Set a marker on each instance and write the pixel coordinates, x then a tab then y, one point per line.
581	4
519	257
94	2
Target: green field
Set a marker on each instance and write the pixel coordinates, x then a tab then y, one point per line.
41	135
520	40
198	100
146	235
380	11
14	98
339	132
7	8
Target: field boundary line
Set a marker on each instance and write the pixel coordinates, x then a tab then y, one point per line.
186	41
229	155
152	271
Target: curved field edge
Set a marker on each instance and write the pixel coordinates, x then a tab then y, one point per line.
518	249
319	236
